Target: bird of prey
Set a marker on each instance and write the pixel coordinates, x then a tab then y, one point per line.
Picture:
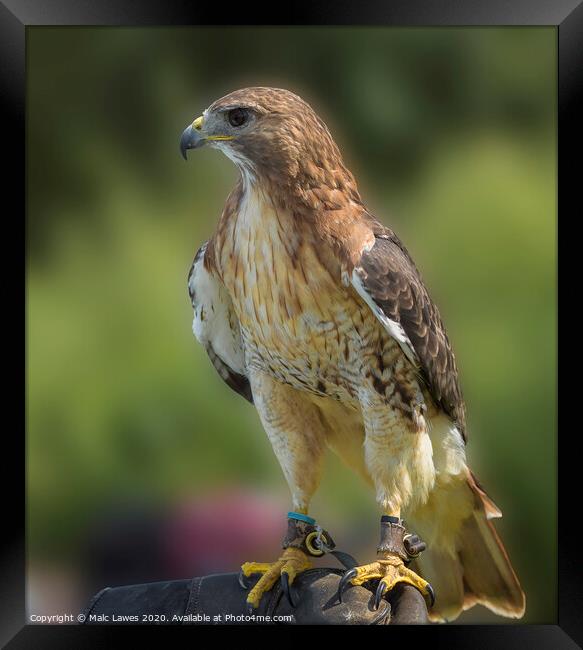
314	311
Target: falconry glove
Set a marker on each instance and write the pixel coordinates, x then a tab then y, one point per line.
219	599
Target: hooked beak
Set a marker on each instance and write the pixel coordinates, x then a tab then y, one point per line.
191	137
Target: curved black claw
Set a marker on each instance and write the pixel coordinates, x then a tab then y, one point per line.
380	592
344	581
242	580
431	595
250	609
286	588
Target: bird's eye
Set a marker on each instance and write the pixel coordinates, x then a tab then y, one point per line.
237	116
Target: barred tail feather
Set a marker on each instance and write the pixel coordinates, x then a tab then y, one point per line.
471	565
488	575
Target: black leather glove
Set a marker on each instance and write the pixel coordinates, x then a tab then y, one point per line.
219	599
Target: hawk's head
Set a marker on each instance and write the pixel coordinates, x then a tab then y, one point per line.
272	134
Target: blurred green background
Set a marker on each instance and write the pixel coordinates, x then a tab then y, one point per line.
451	134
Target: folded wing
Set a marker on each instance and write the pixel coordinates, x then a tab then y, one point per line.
388	280
216	326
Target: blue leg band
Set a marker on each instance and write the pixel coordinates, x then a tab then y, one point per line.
300	517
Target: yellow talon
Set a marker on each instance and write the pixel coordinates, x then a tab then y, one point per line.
249	568
403	574
292	562
390	570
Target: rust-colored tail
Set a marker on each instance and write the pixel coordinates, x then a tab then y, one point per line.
470	566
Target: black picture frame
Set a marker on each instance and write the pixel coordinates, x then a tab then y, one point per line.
17	15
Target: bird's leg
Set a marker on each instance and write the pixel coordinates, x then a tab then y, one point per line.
295	428
399	459
396	549
302	542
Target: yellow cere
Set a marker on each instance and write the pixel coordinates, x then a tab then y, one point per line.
197	124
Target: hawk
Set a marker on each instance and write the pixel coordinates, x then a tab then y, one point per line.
313	310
